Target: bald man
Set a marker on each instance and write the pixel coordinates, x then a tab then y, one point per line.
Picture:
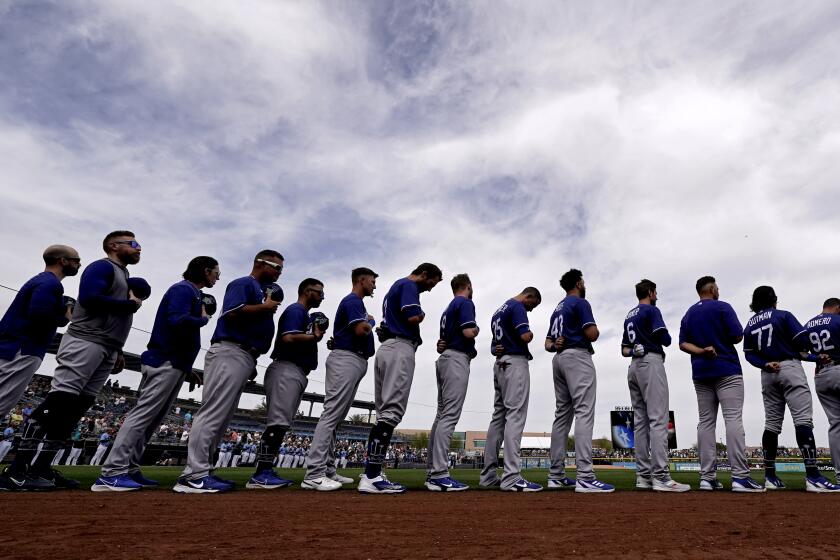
28	327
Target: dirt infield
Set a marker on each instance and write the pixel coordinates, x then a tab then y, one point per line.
474	524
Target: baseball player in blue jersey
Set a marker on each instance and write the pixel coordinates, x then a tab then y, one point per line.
352	345
295	355
645	335
394	370
6	441
773	339
172	350
822	333
709	332
571	332
512	388
101	449
243	333
458	330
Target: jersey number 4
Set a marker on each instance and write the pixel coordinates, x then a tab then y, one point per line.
557	327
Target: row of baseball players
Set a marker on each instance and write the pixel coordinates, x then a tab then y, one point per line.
107	300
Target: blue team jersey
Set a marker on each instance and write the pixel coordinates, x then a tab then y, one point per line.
351	311
255	331
508	324
176	335
714	323
823	335
769	337
644	325
401	303
569	319
459	315
295	320
29	325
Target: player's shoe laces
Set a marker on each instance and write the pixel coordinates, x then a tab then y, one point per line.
820	484
341	479
203	485
593	486
445	484
138	477
560	483
669	485
323	484
773	483
267	480
379	485
709	485
118	483
644	483
523	485
746	485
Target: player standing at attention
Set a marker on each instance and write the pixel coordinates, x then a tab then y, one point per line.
823	335
512	385
295	355
393	369
572	330
243	333
172	350
458	330
645	334
709	332
89	352
346	365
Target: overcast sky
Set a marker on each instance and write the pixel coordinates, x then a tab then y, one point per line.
512	141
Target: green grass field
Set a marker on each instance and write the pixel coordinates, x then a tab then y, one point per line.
414	478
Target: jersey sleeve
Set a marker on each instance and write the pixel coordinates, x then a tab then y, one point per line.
237	295
409	300
793	325
625	339
519	320
658	329
179	308
95	282
355	310
45	307
585	314
467	315
733	325
294	320
685	332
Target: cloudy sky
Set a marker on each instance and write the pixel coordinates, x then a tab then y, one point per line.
511	141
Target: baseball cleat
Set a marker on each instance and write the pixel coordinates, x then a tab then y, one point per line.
60	481
138	477
669	485
445	484
379	485
644	483
773	483
118	483
22	482
267	480
203	485
820	484
341	479
323	484
593	486
710	485
523	485
560	483
746	485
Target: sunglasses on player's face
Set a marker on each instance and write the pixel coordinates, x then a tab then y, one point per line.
275	266
133	243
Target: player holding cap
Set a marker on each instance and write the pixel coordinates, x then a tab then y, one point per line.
512	384
645	334
394	369
243	333
295	355
172	350
709	332
89	352
346	365
458	330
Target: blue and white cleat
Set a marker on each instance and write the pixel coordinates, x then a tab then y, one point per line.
379	485
820	484
119	483
138	477
593	487
773	483
445	484
560	483
523	485
746	485
267	480
204	485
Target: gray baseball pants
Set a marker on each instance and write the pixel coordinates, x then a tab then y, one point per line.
83	366
648	385
512	383
393	371
453	375
158	390
726	393
345	371
827	382
15	376
789	386
574	393
226	371
284	383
